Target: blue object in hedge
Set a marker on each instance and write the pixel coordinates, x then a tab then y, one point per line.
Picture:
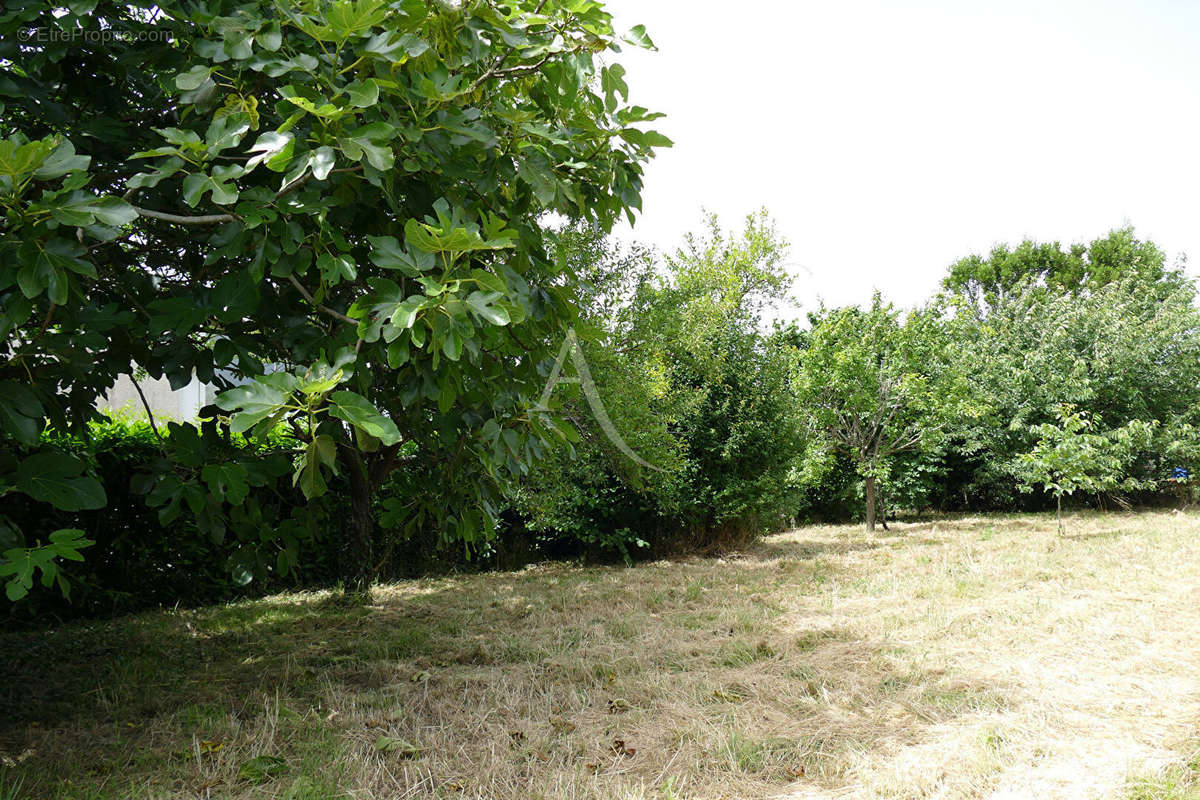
1179	474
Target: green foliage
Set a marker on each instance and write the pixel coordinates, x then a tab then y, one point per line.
349	193
262	769
875	387
982	283
1105	327
10	789
158	550
1069	457
20	563
1124	351
689	378
162	553
55	478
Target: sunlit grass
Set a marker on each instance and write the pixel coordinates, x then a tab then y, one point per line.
957	658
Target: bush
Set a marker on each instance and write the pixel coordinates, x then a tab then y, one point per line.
690	379
139	559
146	555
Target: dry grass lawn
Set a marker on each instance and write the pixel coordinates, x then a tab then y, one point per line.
978	657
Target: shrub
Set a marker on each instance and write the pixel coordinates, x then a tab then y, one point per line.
688	376
142	558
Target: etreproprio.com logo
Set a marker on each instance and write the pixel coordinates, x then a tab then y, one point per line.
91	35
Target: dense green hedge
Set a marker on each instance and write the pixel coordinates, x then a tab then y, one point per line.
138	560
695	383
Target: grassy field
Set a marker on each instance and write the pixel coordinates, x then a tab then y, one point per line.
977	657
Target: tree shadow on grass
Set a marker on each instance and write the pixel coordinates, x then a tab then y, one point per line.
1083	537
809	549
697	645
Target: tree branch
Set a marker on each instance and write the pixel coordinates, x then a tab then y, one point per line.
326	309
149	413
534	67
202	219
494	69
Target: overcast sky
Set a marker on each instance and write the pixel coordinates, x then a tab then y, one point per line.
888	139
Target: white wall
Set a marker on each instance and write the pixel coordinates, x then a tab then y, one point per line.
166	403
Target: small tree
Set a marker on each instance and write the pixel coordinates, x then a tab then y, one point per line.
690	377
1069	457
874	386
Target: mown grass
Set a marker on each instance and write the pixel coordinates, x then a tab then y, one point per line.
1179	779
974	657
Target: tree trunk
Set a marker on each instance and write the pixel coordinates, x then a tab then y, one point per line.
881	502
357	567
1058	515
869	491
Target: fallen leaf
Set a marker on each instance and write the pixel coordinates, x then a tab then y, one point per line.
401	747
561	725
619	705
261	769
619	748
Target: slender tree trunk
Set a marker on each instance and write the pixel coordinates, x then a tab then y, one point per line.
357	565
869	491
1058	515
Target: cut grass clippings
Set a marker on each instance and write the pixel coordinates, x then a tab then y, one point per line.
973	657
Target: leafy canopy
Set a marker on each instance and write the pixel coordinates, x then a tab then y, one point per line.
690	377
873	386
1126	350
984	281
329	209
1070	457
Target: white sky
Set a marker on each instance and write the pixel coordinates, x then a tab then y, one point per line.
889	138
